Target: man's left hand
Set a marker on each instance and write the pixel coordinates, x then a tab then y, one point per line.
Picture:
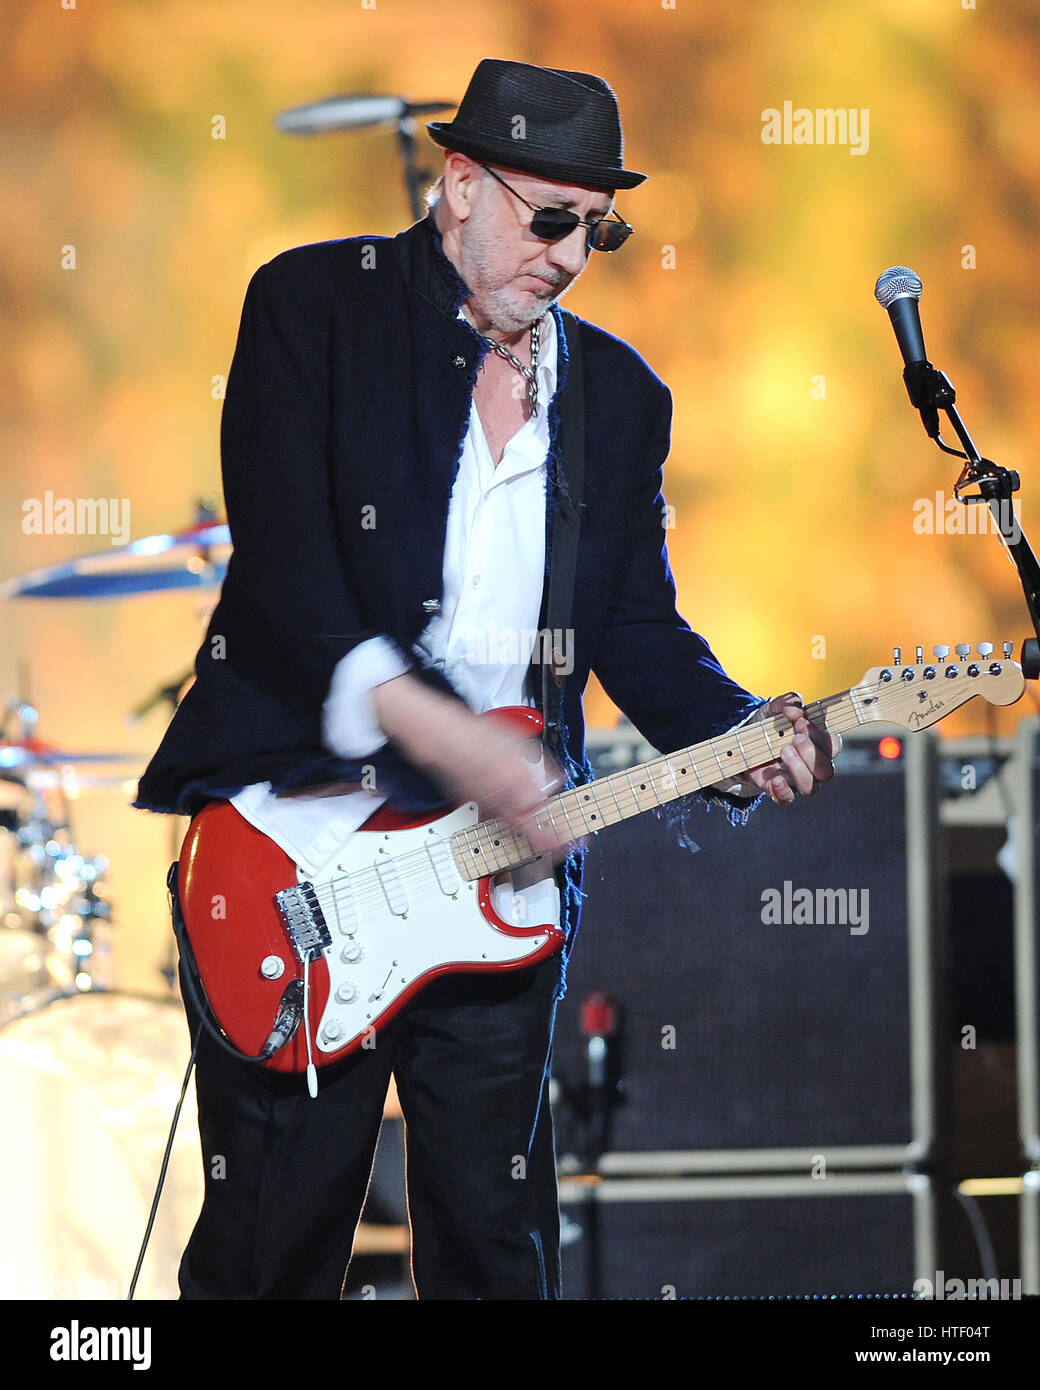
804	762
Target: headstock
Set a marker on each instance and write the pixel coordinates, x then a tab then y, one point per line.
921	694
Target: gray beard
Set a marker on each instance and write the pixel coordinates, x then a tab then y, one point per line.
507	316
502	306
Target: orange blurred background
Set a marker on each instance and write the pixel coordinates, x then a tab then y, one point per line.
796	460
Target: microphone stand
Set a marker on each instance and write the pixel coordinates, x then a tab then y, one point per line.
931	391
414	176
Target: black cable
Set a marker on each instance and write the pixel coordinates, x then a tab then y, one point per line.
192	984
162	1171
983	1242
191	980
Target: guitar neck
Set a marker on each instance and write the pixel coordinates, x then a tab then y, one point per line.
492	847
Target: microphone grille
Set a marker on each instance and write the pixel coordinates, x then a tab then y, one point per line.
897	282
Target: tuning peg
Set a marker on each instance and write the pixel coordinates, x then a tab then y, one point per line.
941	652
897	655
920	655
963	649
985	648
1009	647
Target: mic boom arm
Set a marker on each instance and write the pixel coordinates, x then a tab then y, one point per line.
931	391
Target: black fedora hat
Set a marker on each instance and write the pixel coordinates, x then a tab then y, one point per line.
561	125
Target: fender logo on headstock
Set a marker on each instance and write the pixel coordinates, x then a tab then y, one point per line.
919	716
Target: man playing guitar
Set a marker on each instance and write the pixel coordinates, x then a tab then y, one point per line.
390	454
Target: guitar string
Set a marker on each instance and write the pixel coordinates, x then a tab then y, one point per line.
364	889
836	709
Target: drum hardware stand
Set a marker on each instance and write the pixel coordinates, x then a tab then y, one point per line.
40	835
168	694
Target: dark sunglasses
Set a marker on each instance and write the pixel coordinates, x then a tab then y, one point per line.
553	224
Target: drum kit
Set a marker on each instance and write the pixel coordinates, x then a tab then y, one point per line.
92	1073
54	908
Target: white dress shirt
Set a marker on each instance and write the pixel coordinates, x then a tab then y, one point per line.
482	637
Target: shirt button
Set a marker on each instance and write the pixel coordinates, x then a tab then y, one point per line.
475	580
458	362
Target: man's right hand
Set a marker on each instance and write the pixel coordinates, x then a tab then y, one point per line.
472	757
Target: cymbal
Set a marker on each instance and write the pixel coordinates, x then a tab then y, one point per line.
192	559
72	781
32	753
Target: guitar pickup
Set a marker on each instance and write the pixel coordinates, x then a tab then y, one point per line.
304	921
393	888
443	866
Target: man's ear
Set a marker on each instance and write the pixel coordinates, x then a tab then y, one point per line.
462	177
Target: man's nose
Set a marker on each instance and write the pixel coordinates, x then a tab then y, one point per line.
569	253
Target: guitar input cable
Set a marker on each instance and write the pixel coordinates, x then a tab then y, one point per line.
291	1010
162	1170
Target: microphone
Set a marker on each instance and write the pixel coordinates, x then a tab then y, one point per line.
898	290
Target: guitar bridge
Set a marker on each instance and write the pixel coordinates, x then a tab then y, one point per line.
304	921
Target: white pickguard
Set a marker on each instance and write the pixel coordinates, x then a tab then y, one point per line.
397	908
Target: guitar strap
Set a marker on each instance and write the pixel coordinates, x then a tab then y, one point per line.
569	491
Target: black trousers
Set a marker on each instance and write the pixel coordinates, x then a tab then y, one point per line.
286	1176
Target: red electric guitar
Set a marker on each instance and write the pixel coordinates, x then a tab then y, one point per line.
407	898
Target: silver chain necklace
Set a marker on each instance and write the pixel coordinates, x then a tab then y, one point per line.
529	373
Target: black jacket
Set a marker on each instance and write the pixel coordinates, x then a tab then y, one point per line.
350	389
